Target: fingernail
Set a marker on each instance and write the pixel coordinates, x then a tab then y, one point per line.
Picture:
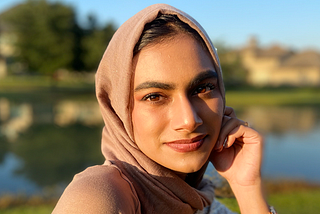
225	143
218	147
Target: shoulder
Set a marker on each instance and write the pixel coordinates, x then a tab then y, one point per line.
99	189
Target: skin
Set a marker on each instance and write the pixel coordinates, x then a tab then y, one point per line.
170	105
237	157
185	103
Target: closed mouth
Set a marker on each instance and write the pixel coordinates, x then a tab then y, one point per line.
187	145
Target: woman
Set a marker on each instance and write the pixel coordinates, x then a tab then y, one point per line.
160	89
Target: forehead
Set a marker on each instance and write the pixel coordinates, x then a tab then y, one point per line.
172	59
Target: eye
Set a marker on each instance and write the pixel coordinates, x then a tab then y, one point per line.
203	88
153	97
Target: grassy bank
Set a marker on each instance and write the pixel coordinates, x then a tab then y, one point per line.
274	97
26	209
84	83
21	204
293	202
44	88
18	84
288	197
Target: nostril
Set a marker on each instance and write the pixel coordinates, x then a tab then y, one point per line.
186	117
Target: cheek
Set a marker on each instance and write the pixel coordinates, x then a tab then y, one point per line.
147	124
215	105
212	112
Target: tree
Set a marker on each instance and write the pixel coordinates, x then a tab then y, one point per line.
49	37
46	35
234	73
95	43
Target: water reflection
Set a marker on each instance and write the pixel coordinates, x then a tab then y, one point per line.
16	118
293	155
52	154
281	119
85	112
4	148
51	141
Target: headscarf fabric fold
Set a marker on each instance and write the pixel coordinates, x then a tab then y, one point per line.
159	189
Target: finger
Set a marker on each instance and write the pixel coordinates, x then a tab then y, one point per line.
224	121
230	124
229	112
220	143
244	135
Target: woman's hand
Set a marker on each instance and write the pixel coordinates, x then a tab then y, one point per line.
237	156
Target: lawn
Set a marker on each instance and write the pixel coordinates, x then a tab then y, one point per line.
294	201
25	209
273	97
237	97
46	83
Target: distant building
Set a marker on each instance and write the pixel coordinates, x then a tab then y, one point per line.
8	48
276	66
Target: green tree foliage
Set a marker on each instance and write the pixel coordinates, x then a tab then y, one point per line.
49	37
95	43
45	34
234	73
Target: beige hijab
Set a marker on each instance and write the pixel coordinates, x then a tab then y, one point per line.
158	188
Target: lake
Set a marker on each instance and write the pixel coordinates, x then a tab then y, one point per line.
46	138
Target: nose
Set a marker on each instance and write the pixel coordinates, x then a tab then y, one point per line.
184	115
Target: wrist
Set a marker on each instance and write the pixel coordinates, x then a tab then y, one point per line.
250	198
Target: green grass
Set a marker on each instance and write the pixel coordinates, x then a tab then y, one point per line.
297	202
236	97
25	209
42	88
231	203
23	81
275	97
31	83
293	202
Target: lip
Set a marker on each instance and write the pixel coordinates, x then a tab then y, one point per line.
187	145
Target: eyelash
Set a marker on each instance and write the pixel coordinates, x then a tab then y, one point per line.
160	97
203	86
149	97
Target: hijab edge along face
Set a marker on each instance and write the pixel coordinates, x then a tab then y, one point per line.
121	53
178	106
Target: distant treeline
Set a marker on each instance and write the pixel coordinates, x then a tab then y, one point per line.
49	37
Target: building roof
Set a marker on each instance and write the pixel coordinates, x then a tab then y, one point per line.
286	57
273	51
308	58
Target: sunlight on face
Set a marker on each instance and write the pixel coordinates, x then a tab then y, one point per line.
178	107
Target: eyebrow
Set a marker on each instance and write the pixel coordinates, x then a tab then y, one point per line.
209	74
168	86
154	84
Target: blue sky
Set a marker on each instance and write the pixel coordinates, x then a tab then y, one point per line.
290	23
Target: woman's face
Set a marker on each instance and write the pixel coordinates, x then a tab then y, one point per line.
178	107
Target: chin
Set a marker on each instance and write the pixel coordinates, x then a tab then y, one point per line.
191	166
